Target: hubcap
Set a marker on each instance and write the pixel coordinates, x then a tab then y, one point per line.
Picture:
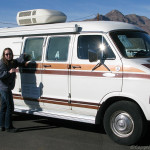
122	124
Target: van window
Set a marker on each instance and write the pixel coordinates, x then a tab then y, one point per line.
58	49
132	44
86	42
33	47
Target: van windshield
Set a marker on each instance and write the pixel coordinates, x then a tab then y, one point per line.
132	44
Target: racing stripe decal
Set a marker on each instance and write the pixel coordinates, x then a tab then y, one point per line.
59	102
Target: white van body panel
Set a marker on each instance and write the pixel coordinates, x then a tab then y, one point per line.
135	81
134	76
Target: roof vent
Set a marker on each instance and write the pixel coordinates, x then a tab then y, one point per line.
40	16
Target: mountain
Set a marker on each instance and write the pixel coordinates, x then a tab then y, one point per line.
115	15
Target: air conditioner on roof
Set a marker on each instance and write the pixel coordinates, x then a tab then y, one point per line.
40	16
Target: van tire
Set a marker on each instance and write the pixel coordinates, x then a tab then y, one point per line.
124	122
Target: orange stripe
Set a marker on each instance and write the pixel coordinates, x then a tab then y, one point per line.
67	66
55	66
90	67
83	67
131	69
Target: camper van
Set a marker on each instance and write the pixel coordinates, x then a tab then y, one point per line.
95	72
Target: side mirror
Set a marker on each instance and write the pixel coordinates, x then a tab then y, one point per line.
93	55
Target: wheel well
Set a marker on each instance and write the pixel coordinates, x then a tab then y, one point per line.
106	104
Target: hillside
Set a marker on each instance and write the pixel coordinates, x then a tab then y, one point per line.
116	15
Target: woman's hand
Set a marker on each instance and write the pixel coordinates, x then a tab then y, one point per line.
12	70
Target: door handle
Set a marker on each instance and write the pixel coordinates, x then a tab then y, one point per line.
109	74
74	67
47	66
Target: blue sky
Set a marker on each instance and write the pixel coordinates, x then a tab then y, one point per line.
75	10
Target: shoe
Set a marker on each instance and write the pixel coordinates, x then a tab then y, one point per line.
2	129
13	130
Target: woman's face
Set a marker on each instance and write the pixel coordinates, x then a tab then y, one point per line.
8	55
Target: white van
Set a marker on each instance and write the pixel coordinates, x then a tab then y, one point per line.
95	72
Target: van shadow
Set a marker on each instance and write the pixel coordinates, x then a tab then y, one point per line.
30	89
48	123
32	118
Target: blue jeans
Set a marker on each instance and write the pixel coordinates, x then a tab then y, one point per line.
6	110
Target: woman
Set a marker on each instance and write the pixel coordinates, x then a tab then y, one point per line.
8	67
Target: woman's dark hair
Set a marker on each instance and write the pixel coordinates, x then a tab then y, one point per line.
3	56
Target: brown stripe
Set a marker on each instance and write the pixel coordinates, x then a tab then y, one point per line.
78	105
88	103
56	72
40	100
130	75
94	74
59	102
72	101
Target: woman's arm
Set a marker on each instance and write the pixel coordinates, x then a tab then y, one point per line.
20	60
4	73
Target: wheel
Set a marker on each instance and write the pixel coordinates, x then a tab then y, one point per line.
124	122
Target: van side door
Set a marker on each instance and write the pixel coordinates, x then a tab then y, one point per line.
89	85
55	75
31	85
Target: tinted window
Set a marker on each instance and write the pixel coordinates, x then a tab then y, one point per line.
33	47
93	42
58	49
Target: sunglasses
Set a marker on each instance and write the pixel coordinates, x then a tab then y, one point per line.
8	54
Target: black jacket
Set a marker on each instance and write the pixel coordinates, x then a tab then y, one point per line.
7	80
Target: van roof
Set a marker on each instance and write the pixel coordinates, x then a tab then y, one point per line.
106	26
70	27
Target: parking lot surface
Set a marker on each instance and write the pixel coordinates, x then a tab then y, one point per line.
40	133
